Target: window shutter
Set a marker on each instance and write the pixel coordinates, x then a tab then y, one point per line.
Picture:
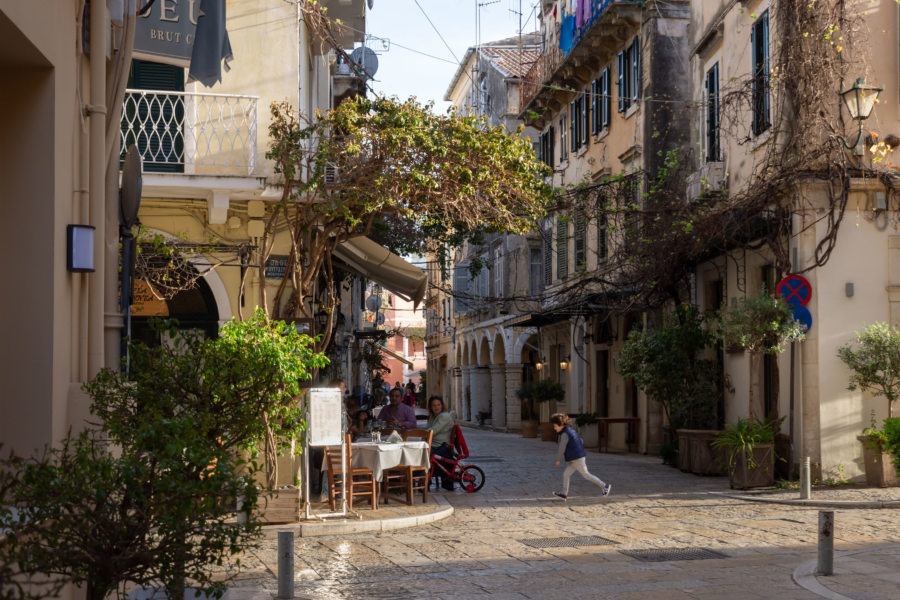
535	272
595	107
584	118
562	247
547	248
550	145
573	134
765	62
580	241
461	287
620	75
635	69
712	114
602	243
606	107
163	147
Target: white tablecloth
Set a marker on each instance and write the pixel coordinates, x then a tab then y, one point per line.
381	456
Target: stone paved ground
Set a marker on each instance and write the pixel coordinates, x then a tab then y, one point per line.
490	546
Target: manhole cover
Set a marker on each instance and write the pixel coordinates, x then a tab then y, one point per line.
667	554
568	542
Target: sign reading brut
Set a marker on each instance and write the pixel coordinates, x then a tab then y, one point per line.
166	33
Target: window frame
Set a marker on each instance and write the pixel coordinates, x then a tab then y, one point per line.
713	120
760	56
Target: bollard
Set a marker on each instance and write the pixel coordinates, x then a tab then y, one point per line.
804	479
826	543
285	565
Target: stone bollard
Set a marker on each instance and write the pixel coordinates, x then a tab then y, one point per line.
804	479
826	543
285	565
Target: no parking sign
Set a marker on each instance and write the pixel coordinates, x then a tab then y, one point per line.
797	292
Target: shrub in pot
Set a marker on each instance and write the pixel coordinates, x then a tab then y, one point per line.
538	392
588	429
749	452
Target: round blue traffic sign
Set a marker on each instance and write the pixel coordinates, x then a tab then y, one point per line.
802	314
795	290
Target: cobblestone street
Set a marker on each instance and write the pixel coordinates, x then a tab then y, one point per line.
514	540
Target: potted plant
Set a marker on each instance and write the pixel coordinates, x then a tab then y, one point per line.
749	453
529	412
538	392
588	429
875	367
667	363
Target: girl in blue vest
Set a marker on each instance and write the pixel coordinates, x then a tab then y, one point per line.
572	449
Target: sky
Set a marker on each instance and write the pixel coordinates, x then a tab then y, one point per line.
403	68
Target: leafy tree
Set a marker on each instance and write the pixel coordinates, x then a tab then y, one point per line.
667	363
762	326
160	517
239	389
394	170
540	391
875	364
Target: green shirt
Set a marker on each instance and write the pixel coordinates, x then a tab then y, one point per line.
441	426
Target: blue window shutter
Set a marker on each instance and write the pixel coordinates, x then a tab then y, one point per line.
620	75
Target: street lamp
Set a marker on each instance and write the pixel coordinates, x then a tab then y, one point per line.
564	363
860	99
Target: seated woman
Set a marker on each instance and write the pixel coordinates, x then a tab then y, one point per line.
441	423
359	424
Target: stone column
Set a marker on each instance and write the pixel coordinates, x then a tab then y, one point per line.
467	394
481	391
513	404
454	391
498	395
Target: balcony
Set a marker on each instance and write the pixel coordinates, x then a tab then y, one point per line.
193	133
572	55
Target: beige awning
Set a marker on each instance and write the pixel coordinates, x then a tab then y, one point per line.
399	357
371	260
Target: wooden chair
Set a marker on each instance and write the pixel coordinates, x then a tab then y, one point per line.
360	483
410	478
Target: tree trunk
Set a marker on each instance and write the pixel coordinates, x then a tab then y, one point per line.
751	404
270	458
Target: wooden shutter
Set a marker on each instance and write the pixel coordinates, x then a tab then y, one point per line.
562	247
635	69
606	106
461	287
620	75
580	241
547	249
162	148
595	107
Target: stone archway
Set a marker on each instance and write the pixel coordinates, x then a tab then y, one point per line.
499	398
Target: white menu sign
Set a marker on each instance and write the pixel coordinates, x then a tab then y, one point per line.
325	417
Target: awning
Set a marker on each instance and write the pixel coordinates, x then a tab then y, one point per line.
399	357
368	259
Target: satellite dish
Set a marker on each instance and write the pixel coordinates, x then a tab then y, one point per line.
373	303
130	194
367	59
379	319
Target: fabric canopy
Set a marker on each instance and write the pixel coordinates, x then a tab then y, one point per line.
371	260
390	352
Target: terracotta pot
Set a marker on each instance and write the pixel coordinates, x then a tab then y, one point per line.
880	470
529	429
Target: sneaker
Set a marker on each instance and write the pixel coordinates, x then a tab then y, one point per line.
607	489
560	495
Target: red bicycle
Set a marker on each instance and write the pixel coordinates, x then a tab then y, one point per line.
469	477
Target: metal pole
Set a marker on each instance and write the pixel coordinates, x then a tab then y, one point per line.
804	479
826	543
285	565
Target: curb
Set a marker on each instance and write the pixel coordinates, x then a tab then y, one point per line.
347	526
805	576
816	503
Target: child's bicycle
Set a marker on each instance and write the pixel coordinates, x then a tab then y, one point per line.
469	477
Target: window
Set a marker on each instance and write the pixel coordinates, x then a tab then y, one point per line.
578	116
602	238
563	148
562	247
461	288
600	102
759	41
629	75
483	282
159	118
535	272
585	119
580	241
632	212
546	147
497	271
712	114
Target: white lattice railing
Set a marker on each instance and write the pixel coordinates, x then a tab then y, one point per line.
191	132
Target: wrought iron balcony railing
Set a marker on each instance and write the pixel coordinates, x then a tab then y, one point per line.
181	132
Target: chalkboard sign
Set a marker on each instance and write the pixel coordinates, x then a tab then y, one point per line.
325	426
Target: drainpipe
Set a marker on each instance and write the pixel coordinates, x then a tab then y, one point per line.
97	196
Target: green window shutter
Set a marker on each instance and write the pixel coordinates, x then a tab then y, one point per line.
562	247
580	241
162	147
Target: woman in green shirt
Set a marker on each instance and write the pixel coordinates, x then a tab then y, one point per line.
441	423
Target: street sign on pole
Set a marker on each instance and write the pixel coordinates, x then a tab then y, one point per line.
795	290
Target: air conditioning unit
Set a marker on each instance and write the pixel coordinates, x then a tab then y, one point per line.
710	178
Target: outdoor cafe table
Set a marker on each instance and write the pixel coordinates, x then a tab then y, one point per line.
384	455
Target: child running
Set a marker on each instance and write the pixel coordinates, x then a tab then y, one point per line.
572	449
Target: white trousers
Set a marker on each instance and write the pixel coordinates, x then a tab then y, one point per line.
579	465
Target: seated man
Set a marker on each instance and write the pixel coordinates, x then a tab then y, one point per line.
396	414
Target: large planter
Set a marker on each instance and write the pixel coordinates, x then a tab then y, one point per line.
880	470
548	434
696	454
280	506
761	474
590	435
529	429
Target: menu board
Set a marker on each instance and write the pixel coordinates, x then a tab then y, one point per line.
325	417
